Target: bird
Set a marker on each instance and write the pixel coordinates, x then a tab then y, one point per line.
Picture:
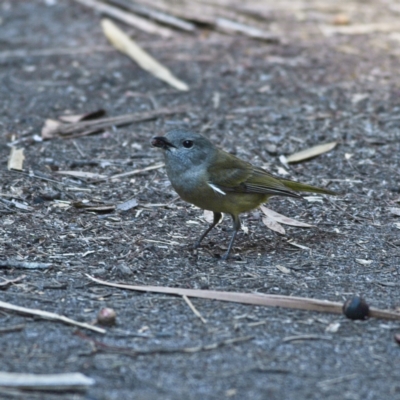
215	180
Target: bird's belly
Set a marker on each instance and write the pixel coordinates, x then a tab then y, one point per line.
230	202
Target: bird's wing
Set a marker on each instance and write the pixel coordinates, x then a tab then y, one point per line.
230	174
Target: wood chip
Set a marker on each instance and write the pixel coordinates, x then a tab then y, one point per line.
311	152
16	159
121	41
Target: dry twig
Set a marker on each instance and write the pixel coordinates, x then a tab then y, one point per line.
269	300
49	315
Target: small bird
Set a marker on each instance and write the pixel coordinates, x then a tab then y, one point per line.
215	180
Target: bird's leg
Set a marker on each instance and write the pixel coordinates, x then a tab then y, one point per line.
217	218
236	227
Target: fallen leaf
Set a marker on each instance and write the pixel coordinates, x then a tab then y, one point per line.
122	42
283	219
397	225
364	262
16	159
283	269
82	117
311	152
273	225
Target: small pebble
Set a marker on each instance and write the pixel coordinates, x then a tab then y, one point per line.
106	316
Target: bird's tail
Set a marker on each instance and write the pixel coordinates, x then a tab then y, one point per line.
301	187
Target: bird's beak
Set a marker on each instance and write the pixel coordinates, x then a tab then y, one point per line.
161	142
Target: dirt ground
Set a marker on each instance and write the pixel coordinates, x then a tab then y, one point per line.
255	99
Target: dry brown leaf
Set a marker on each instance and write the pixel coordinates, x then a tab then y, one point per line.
311	152
121	41
273	225
283	219
16	159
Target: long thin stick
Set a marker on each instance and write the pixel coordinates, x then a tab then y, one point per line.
49	315
269	300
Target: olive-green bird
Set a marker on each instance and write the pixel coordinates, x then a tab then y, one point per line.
215	180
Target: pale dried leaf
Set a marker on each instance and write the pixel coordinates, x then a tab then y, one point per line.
273	225
283	269
311	152
16	159
395	210
364	262
283	219
397	225
82	174
126	45
127	205
50	128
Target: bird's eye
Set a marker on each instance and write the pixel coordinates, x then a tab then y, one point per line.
188	144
